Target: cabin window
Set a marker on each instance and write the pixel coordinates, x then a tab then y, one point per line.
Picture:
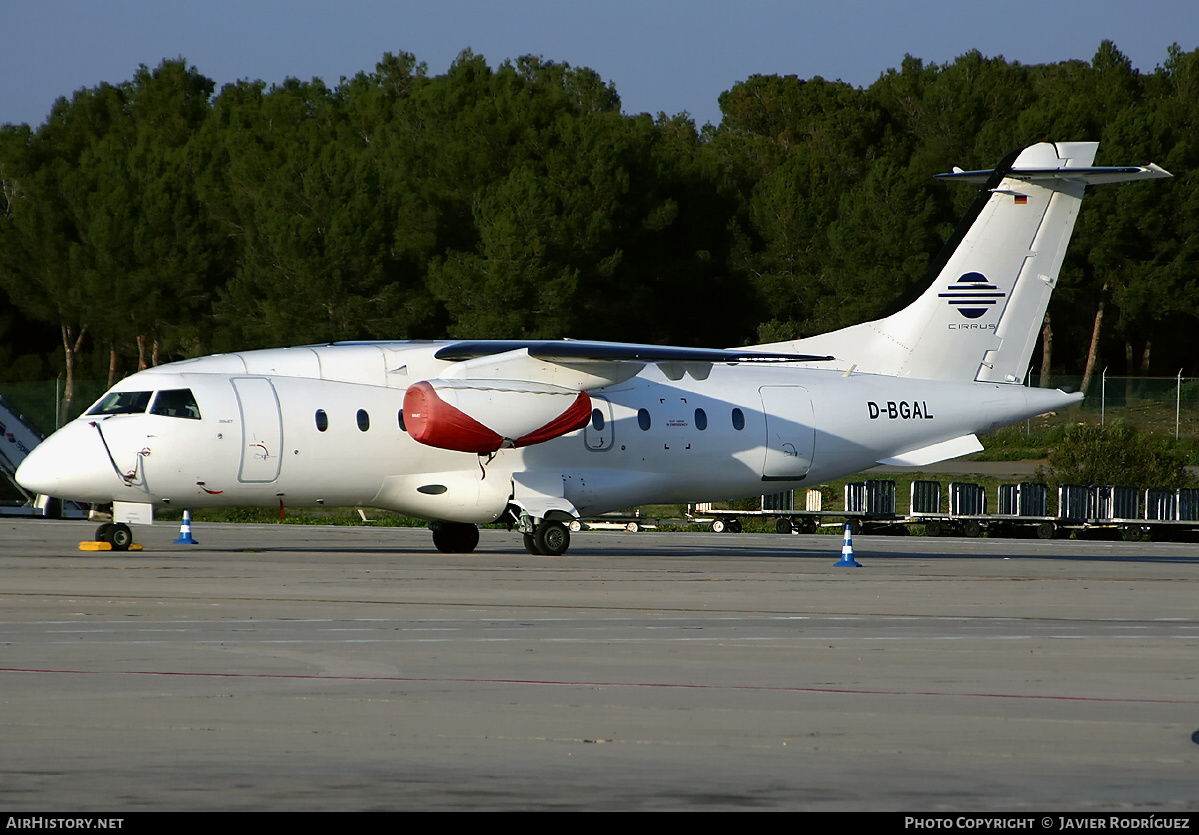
643	419
738	419
701	420
122	403
322	420
400	416
597	420
364	420
178	403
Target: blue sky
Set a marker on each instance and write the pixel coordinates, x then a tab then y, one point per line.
662	55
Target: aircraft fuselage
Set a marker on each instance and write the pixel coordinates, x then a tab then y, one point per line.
273	428
538	432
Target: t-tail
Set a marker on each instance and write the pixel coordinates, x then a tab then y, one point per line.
987	291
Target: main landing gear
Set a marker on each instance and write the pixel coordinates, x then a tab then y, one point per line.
550	538
545	537
455	537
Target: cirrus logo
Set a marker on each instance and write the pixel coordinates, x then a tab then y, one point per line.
972	295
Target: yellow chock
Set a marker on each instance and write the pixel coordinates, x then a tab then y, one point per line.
93	545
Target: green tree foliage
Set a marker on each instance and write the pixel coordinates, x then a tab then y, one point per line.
154	219
823	250
43	254
103	233
315	223
1116	455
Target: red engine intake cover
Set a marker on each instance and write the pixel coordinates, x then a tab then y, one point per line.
434	422
575	417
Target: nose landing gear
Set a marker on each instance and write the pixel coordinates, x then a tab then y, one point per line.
116	534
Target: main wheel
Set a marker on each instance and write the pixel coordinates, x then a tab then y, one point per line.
103	531
531	545
455	537
552	538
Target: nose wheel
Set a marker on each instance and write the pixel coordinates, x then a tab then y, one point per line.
116	534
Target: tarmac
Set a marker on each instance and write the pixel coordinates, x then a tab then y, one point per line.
297	668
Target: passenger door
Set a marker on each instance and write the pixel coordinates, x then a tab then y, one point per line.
261	429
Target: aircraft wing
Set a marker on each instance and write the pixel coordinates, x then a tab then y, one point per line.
513	393
574	350
581	365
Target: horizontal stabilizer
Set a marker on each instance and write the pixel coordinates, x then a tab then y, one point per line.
1094	175
933	453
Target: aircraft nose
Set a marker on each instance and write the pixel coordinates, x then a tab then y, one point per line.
41	471
68	465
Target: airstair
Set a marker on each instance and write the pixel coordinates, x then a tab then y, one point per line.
17	440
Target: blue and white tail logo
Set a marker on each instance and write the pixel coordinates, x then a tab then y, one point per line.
972	295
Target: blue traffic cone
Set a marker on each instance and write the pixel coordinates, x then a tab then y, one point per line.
185	530
847	560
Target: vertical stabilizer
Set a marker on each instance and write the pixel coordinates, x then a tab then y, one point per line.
979	316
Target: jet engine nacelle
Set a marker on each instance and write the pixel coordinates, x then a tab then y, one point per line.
485	415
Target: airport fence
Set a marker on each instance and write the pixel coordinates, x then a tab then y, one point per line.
1155	405
41	403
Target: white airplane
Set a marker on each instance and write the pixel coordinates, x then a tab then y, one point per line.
537	433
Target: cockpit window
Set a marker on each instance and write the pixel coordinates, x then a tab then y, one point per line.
122	403
176	403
